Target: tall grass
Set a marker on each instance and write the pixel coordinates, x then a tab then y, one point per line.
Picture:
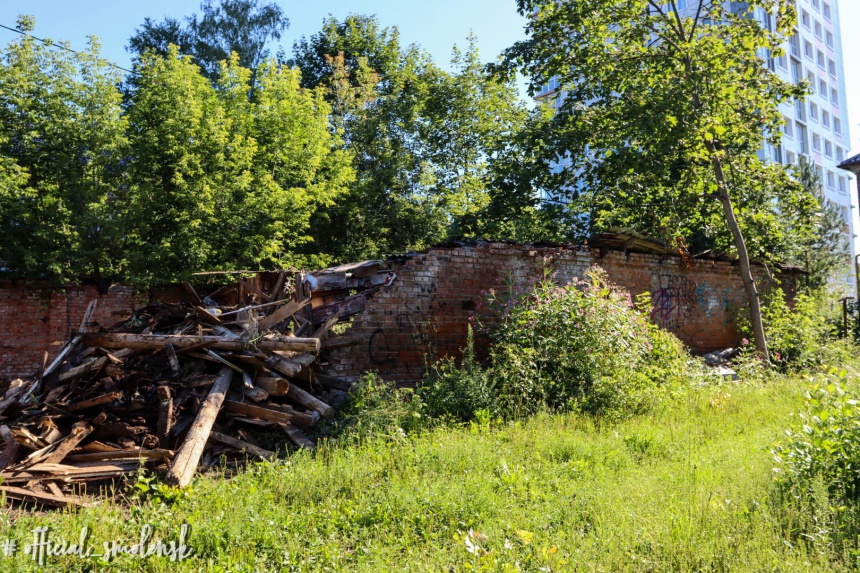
684	487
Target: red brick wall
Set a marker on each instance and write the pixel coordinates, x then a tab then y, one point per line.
426	310
33	319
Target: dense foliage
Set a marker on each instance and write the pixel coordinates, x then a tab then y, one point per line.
578	346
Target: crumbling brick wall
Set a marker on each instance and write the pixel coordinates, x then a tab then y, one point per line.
34	319
426	311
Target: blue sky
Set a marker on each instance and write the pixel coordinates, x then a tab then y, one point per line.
436	26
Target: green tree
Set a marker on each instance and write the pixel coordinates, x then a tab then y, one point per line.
225	176
821	246
667	111
62	144
241	26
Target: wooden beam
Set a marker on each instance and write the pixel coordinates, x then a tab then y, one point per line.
180	341
240	445
165	416
257	412
280	315
297	437
53	500
93	402
188	456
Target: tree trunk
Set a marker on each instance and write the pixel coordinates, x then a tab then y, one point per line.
753	296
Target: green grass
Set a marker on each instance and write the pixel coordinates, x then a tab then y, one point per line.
684	488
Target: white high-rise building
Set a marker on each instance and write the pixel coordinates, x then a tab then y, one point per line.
817	127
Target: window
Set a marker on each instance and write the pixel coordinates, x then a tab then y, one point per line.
831	180
790	158
825	118
775	153
837	126
834	96
788	127
807	49
804	18
820	172
794	43
843	184
840	155
816	4
821	60
813	111
828	149
810	77
822	88
831	67
827	10
782	61
800	110
816	142
819	31
802	137
829	40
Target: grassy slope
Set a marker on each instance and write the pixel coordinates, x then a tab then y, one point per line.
681	489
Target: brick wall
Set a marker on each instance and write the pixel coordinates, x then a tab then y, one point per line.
33	319
427	309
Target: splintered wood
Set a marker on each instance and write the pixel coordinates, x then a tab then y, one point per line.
180	387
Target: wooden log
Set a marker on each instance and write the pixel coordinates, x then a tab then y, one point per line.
188	456
93	402
280	315
51	499
274	385
165	416
179	341
342	342
260	412
303	398
301	419
240	445
281	365
297	437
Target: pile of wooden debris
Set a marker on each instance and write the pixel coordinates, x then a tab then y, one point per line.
178	387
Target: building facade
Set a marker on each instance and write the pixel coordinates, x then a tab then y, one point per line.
816	128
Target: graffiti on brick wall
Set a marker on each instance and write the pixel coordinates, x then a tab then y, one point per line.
678	299
411	320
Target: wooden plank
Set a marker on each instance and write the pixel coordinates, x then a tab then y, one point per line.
153	341
165	416
188	456
322	330
280	315
172	358
90	367
59	359
257	412
206	316
159	455
51	499
195	298
302	419
69	443
240	445
93	402
309	401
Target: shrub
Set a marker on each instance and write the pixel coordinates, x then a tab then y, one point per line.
799	338
579	346
818	468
